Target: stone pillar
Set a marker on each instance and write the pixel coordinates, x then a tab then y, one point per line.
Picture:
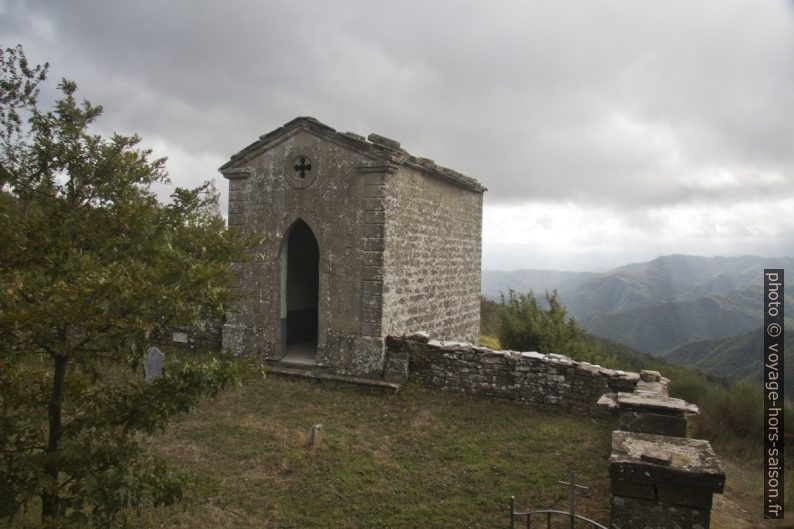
646	412
648	409
659	482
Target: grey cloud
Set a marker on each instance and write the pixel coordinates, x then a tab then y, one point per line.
521	95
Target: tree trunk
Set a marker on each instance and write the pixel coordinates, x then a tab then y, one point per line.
49	497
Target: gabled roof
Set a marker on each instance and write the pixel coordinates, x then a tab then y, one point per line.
374	146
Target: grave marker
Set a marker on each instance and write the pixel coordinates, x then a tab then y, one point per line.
153	364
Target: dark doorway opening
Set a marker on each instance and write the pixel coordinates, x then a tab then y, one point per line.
300	290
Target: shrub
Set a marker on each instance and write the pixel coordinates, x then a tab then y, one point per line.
524	325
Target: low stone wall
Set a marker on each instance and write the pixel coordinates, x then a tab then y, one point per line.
529	377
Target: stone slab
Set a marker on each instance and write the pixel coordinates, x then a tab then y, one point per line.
653	387
153	363
624	381
419	336
318	374
608	401
693	463
650	401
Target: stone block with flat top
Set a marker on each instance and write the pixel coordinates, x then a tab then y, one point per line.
650	412
661	481
654	402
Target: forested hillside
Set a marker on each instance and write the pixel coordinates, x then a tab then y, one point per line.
699	311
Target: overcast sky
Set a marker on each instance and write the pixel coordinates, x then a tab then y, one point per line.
605	131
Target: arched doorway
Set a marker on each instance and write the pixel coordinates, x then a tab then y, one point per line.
300	281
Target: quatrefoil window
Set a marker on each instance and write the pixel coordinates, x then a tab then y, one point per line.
303	167
300	171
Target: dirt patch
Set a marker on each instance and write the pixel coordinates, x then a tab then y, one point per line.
740	506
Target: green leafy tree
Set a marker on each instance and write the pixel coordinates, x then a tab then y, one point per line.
92	270
525	325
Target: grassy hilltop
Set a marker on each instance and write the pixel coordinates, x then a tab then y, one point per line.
419	458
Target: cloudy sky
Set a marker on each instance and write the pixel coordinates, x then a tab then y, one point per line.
606	131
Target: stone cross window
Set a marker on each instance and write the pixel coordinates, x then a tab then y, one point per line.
300	171
303	167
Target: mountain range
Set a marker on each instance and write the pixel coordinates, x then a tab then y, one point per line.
701	311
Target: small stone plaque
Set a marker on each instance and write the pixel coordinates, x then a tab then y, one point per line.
153	362
180	337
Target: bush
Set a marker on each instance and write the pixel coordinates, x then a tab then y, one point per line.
734	413
524	325
731	416
688	384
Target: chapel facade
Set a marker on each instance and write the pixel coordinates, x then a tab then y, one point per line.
362	241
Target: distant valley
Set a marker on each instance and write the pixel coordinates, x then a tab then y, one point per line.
698	311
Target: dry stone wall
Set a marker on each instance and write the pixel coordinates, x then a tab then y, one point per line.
529	377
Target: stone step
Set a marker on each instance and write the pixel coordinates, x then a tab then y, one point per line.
315	373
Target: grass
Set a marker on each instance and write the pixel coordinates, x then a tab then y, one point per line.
490	342
420	458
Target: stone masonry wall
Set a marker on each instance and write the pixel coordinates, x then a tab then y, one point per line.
398	236
433	241
529	377
205	337
333	207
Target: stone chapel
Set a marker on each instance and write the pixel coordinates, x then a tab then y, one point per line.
362	241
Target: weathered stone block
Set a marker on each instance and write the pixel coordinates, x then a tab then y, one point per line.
371	287
373	217
682	473
383	141
688	497
633	489
370	328
372	273
374	179
374	191
652	423
372	244
372	259
654	403
371	315
693	462
650	376
373	204
234	338
636	513
624	381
